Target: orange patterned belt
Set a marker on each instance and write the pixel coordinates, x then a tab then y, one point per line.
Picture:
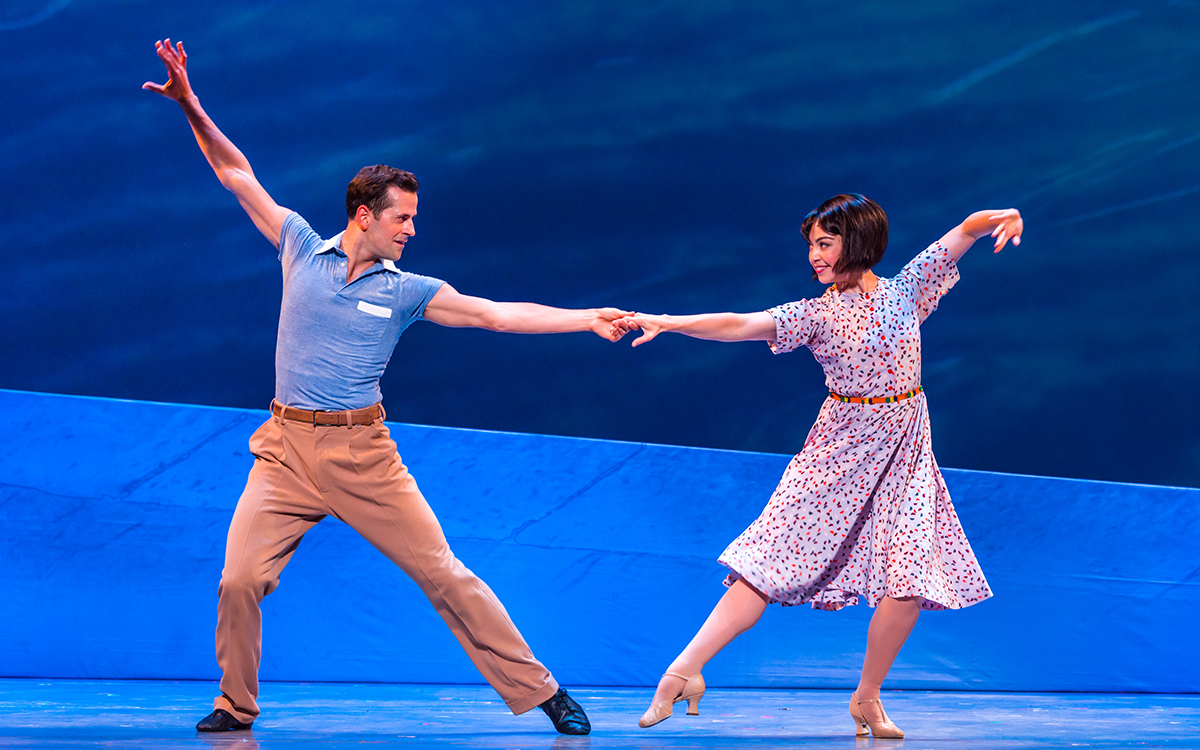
877	399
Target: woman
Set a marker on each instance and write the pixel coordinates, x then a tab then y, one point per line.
862	510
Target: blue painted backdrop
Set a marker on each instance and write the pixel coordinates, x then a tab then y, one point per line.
655	156
113	518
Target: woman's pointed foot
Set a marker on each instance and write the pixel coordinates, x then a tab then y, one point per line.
691	691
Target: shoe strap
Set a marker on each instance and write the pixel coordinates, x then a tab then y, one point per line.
676	674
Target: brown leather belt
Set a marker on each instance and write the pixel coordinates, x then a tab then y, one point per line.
328	418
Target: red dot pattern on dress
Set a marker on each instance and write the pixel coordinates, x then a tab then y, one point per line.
863	510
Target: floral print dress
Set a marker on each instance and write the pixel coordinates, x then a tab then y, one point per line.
862	510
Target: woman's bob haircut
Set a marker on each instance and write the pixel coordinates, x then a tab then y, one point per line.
860	222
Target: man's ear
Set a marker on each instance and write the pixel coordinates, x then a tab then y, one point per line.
363	218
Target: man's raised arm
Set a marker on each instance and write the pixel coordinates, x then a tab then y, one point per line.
231	166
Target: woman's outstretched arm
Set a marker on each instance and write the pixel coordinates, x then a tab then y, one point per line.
1004	225
759	326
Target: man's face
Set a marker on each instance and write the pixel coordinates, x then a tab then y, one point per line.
388	231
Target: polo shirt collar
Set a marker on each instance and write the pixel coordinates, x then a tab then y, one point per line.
334	245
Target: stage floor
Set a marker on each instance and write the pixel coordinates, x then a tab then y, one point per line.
157	714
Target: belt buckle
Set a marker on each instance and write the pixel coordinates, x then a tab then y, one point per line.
337	418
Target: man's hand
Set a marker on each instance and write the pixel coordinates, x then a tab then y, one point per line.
605	324
228	163
177	86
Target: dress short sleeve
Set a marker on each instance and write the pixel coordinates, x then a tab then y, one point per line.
927	277
793	326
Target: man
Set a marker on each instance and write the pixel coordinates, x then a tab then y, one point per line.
325	449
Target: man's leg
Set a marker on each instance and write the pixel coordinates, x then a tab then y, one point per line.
379	499
277	507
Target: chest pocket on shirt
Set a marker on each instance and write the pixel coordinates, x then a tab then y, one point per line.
370	322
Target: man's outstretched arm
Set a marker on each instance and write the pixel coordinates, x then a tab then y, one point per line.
231	166
449	308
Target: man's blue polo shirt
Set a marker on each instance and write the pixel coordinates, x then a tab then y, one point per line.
335	339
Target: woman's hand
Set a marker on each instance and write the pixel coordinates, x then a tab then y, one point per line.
1004	225
649	325
1008	227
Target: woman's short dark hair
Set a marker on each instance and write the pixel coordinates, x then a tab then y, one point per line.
860	222
370	188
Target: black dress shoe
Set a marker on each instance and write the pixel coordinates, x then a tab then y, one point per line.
223	721
567	715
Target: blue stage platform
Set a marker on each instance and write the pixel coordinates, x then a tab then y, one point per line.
113	529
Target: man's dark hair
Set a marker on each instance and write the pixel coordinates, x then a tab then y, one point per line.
370	188
860	222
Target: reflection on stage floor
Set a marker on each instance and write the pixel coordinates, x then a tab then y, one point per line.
61	714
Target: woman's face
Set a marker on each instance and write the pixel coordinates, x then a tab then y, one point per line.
824	250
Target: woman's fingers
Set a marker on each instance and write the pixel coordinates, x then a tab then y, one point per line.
647	335
1009	227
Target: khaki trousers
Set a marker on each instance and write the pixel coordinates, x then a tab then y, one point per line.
303	473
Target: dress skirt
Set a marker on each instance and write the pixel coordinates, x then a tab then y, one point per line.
862	510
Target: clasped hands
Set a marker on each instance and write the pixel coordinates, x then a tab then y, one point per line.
613	324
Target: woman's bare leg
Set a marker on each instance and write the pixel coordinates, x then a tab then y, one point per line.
735	613
892	622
